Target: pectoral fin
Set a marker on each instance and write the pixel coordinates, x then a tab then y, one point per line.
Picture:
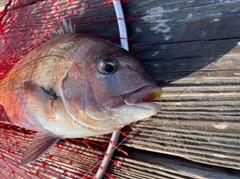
39	91
40	144
39	101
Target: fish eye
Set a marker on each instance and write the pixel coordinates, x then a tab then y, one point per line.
107	66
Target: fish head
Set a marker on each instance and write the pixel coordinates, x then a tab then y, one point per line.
115	88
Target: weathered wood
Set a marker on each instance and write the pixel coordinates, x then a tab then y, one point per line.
139	164
199	119
198	68
192	48
183	21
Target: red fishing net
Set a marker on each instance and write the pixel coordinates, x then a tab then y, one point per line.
24	25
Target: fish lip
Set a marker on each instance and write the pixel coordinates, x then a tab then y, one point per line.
135	96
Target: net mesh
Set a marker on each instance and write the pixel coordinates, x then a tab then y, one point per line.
25	24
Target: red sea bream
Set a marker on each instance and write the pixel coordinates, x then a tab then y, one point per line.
74	86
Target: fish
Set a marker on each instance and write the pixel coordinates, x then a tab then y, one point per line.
74	86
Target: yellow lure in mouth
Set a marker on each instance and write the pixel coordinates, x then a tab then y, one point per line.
158	94
153	96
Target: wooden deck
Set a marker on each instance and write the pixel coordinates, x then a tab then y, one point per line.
192	48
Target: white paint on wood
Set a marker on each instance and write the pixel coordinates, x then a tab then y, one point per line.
138	29
189	16
215	20
155	53
167	37
155	17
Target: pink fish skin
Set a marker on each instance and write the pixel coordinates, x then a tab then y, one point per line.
74	86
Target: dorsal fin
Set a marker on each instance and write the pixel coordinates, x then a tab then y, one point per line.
63	28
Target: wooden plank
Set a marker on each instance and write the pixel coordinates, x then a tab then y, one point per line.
65	163
210	142
187	50
202	67
182	21
139	164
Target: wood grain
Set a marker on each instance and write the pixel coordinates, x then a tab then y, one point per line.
198	67
139	164
191	48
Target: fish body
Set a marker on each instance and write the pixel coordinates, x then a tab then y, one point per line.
74	86
44	69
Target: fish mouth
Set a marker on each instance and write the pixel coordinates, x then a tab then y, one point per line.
143	95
